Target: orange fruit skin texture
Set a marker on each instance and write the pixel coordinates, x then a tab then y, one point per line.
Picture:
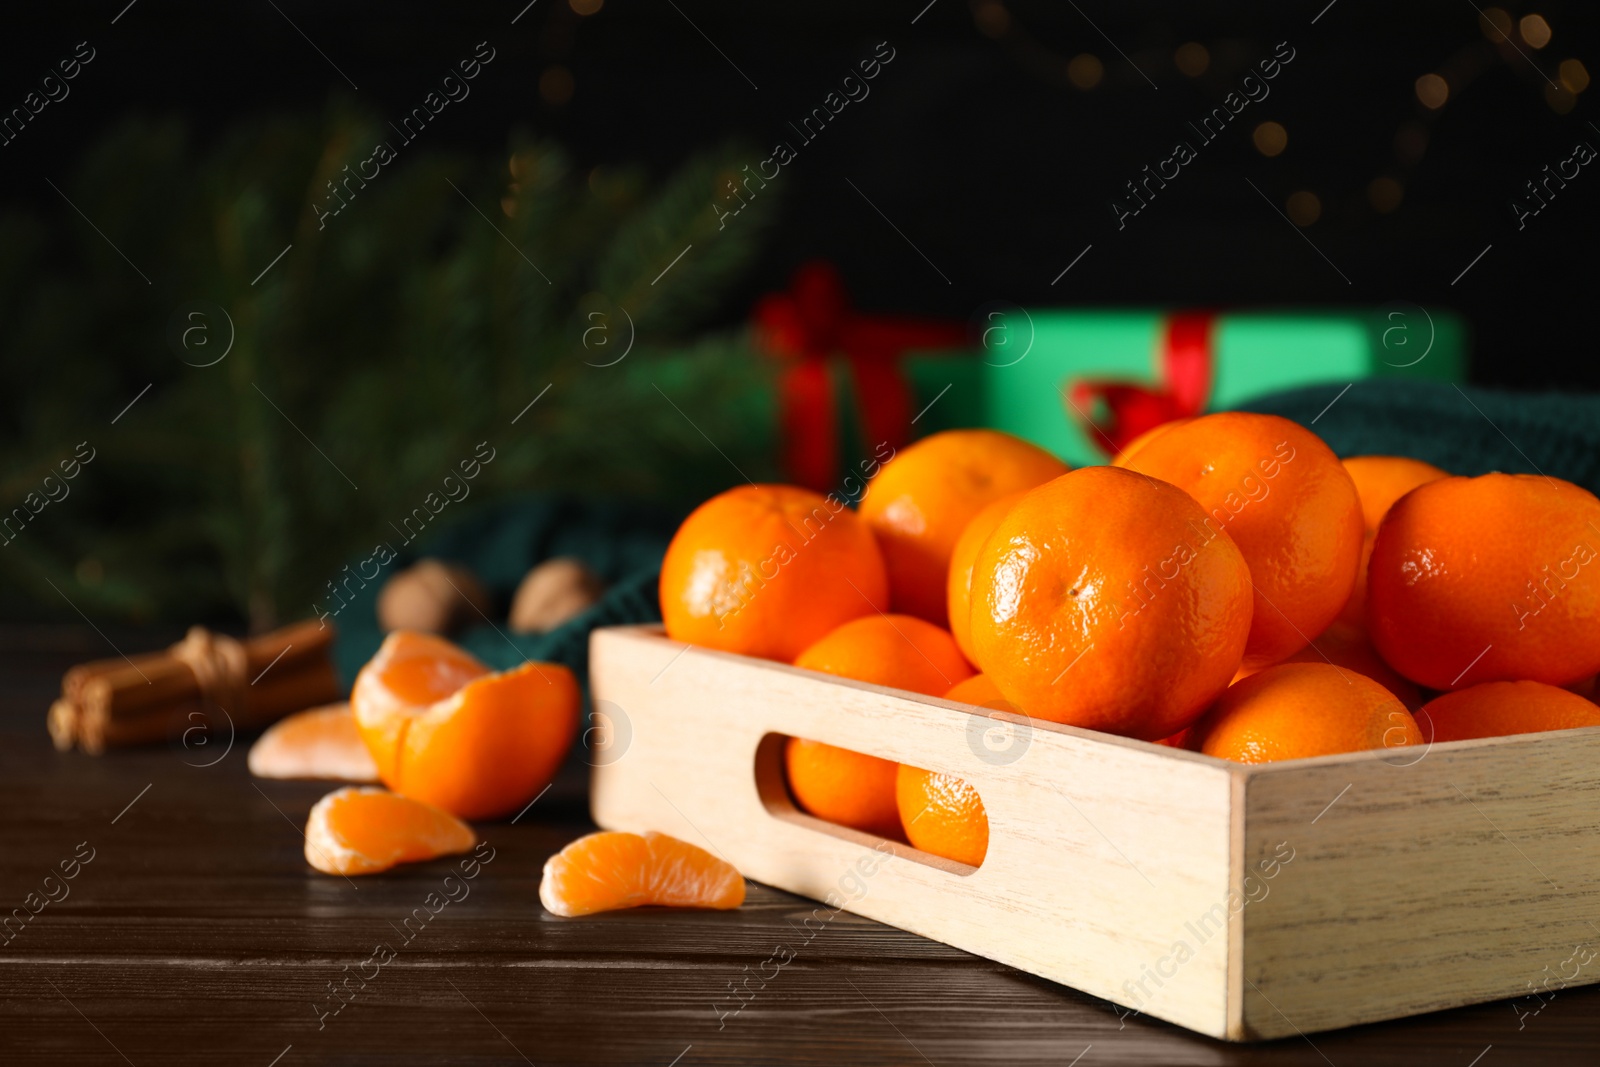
766	570
942	815
899	651
1488	579
980	690
1286	501
1495	709
1348	647
1121	458
958	587
923	498
1295	710
443	729
1099	602
610	870
1379	481
365	830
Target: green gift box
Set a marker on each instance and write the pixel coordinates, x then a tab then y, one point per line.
1082	383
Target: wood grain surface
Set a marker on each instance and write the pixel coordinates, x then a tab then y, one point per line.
197	935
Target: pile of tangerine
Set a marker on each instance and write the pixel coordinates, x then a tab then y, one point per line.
1227	585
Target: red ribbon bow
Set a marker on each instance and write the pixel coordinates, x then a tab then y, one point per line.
812	322
1116	412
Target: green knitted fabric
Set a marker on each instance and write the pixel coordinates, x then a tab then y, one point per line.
1461	430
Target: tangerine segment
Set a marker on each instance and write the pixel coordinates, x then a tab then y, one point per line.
1286	500
922	499
765	570
942	814
1495	709
958	589
843	787
608	871
483	749
316	743
1379	481
1295	710
364	830
1103	601
1488	579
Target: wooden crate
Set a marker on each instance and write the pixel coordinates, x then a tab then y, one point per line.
1241	902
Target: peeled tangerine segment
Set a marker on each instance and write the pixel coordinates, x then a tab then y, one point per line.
609	871
319	743
365	830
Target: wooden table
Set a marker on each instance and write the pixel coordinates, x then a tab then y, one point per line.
198	934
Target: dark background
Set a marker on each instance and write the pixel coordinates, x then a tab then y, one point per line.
974	141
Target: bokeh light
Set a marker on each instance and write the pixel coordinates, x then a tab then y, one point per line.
1270	139
1433	91
1303	208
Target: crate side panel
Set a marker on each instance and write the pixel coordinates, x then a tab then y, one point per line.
1107	861
1418	884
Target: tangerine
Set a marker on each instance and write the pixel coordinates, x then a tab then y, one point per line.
443	728
766	570
1284	498
921	500
1488	579
851	788
1379	481
1494	709
980	690
1295	710
958	589
1348	648
1102	600
942	814
1121	458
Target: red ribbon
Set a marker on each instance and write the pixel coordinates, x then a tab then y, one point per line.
1116	412
806	326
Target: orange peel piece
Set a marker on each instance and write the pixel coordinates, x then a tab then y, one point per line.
362	830
611	870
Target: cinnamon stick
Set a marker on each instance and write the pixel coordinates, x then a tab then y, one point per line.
207	680
63	723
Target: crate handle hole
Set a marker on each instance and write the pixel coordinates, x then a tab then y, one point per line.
772	785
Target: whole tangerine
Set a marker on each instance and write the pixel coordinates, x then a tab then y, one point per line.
1103	601
942	814
959	588
1121	458
1348	647
1295	710
1286	500
1379	481
766	570
922	499
1488	579
852	788
1495	709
